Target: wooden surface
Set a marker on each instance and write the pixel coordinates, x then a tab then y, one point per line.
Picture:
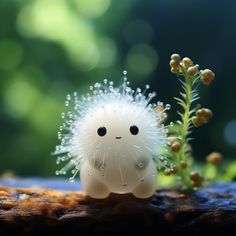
35	211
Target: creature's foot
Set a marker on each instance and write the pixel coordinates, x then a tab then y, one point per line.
147	187
96	189
92	186
144	190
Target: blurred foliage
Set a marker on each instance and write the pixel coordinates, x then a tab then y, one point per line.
49	48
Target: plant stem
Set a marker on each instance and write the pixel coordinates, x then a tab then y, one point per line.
184	131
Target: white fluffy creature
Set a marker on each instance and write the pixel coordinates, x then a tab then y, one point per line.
113	137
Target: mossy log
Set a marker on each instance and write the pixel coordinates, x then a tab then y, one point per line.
35	211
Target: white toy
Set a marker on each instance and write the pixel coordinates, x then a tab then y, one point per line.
113	138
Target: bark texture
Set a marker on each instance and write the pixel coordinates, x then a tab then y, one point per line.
35	211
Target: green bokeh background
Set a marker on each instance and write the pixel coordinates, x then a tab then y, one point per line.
49	48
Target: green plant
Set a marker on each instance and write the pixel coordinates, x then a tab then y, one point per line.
191	115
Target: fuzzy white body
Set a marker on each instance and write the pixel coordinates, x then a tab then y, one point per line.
114	139
119	162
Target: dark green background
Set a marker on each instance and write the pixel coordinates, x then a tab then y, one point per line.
49	48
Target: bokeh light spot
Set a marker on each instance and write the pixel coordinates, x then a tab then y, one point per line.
230	132
107	52
54	21
48	19
138	31
142	59
91	8
20	96
44	116
11	54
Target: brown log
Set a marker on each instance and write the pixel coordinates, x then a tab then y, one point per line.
33	211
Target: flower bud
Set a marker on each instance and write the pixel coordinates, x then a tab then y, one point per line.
197	121
214	158
174	63
207	76
186	62
195	176
208	113
205	114
175	57
192	70
174	70
174	170
175	147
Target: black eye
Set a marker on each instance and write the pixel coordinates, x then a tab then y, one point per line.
134	129
102	131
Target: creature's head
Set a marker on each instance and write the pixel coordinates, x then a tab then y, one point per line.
113	123
119	128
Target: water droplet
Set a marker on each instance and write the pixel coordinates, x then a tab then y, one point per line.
57	172
147	86
124	72
111	83
75	94
97	85
67	103
151	95
91	88
127	89
171	124
105	81
68	97
63	115
168	106
72	179
70	114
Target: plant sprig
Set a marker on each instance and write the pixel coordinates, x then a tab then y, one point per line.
190	115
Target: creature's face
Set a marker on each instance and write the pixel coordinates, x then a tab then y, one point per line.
118	129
